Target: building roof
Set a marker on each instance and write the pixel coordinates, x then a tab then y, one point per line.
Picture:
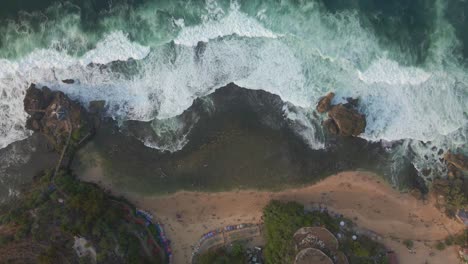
303	238
312	256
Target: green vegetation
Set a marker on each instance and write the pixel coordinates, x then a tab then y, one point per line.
440	245
364	250
450	240
462	239
455	192
459	240
5	239
52	215
282	220
408	243
51	255
223	256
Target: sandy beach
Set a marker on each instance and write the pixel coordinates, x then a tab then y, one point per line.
361	196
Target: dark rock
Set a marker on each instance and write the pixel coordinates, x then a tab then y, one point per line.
348	120
324	103
33	124
68	81
452	171
330	125
460	161
97	107
345	120
34	102
200	50
56	116
351	102
426	172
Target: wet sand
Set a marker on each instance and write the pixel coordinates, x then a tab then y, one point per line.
361	196
243	142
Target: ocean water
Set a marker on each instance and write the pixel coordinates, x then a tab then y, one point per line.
404	60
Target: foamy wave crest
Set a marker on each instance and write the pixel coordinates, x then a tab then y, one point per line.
422	112
234	23
49	67
115	47
298	52
389	72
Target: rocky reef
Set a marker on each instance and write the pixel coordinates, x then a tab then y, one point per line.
324	103
60	219
57	117
344	119
457	163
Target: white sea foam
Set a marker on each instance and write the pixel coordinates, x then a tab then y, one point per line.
234	23
49	66
302	124
13	156
115	47
387	71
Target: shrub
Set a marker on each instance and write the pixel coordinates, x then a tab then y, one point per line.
221	256
440	245
408	243
5	239
281	221
449	240
237	249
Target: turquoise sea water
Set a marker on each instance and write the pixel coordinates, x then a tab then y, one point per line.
404	60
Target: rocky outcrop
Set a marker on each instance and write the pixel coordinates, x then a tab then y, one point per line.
344	119
53	114
324	103
348	120
331	126
68	81
458	161
457	164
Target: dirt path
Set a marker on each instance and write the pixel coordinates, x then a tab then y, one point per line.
360	196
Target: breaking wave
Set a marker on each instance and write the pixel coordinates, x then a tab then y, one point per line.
298	52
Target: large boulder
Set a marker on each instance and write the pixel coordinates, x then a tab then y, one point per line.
324	103
458	161
344	119
348	121
331	126
35	101
53	114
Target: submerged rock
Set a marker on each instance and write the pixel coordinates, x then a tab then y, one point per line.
324	103
97	106
56	116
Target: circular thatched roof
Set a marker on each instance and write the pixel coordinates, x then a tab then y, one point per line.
312	256
302	238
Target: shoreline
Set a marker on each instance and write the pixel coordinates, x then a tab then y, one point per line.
363	197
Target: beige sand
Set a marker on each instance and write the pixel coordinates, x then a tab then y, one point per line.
360	196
